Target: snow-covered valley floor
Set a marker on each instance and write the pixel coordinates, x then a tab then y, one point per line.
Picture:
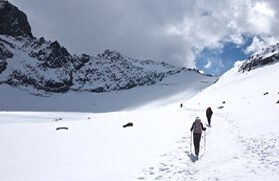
242	144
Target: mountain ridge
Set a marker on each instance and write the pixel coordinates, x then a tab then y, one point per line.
48	66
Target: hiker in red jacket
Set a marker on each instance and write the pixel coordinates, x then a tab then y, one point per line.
209	113
197	129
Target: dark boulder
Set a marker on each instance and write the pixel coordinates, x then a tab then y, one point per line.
130	124
62	128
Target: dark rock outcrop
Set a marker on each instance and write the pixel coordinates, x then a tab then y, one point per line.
13	22
53	56
264	57
4	54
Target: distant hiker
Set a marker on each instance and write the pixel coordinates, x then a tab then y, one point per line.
209	113
181	105
197	129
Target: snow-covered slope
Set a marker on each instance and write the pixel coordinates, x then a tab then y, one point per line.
173	88
242	144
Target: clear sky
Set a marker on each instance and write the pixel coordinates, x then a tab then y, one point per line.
209	35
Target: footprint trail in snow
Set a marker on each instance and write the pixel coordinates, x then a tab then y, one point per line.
230	151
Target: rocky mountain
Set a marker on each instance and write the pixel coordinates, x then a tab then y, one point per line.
48	66
29	62
263	57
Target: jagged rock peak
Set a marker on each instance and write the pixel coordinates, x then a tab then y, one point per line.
113	55
13	22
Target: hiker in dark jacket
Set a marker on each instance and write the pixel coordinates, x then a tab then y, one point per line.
197	129
209	113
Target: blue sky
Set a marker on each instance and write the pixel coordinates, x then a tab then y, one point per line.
207	35
217	62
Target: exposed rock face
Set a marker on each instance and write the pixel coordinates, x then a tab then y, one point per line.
52	56
13	22
4	54
263	57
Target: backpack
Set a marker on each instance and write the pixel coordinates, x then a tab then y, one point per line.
208	111
197	126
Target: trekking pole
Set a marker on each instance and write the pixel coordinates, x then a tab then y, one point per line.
191	143
204	140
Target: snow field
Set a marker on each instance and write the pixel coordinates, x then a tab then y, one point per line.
242	144
95	146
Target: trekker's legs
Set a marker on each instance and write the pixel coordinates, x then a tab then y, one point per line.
197	139
209	120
